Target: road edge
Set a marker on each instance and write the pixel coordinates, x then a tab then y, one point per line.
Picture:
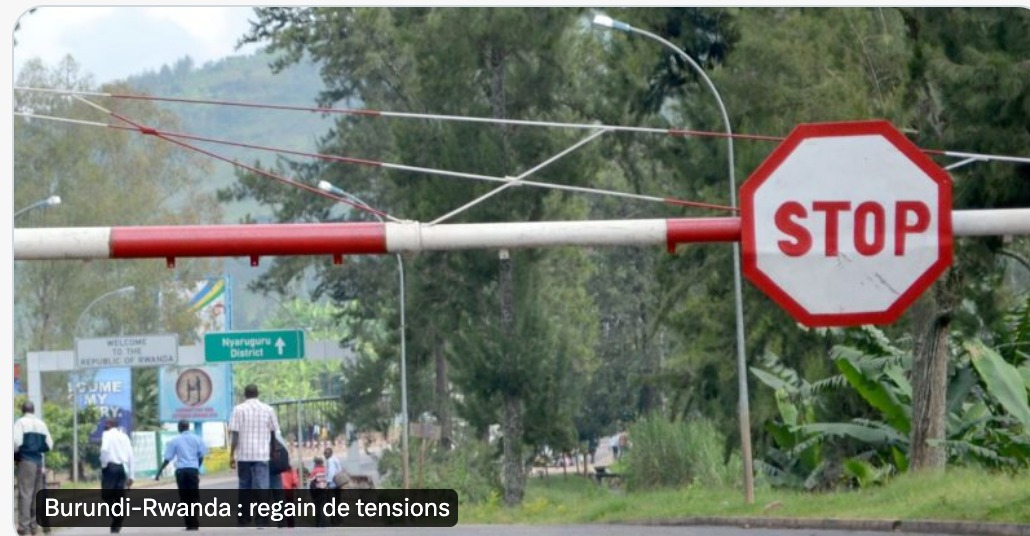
923	526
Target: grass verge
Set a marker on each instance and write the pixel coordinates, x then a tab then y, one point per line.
959	494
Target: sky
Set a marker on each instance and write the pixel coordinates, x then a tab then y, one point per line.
114	42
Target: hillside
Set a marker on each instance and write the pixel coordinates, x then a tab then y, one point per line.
242	79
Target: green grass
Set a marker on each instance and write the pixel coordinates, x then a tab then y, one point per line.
960	494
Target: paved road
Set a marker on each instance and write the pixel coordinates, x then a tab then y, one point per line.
225	481
490	530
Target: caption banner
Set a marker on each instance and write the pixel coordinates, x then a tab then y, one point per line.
229	507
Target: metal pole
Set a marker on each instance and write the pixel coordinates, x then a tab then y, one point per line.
368	238
405	463
404	382
744	411
75	380
300	448
75	426
743	404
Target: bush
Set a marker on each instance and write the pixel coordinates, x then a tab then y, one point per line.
675	454
217	460
471	470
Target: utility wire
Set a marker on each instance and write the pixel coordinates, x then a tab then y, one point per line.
515	181
387	165
517	122
154	132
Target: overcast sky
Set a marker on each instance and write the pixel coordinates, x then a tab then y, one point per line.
113	42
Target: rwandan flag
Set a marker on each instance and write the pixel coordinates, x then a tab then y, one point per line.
212	303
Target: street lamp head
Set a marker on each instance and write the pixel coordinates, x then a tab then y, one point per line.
607	22
48	202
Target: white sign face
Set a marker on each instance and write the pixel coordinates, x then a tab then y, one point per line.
844	227
131	351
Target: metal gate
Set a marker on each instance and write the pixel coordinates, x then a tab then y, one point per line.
309	425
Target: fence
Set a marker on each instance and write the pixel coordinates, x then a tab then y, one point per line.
309	425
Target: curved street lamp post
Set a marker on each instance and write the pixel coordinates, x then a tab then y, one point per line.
51	201
745	418
75	379
328	187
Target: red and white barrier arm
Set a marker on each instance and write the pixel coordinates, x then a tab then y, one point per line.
363	238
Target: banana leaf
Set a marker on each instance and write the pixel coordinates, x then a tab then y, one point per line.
877	395
1003	381
866	433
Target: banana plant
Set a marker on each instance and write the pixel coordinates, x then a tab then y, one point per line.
988	411
796	460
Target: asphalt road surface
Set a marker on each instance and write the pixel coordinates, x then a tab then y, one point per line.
488	530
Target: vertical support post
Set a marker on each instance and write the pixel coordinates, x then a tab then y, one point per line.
405	467
300	448
75	425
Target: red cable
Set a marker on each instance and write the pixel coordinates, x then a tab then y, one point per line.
153	132
377	113
322	156
705	133
344	159
248	104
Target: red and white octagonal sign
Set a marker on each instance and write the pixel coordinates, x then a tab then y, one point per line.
846	223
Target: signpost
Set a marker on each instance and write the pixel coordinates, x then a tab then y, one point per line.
244	346
131	351
846	223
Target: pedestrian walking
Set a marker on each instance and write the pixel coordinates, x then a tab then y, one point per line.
335	478
319	488
613	444
291	482
278	466
253	425
188	451
332	468
31	440
117	467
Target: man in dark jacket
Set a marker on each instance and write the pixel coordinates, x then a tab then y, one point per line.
31	440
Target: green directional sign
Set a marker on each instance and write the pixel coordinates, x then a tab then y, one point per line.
243	346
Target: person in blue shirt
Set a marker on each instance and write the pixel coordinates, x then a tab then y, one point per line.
188	451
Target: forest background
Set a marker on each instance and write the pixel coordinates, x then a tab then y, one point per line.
564	347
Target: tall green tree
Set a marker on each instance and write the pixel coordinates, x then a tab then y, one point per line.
105	177
500	63
970	88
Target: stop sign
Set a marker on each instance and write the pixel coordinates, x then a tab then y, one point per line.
846	223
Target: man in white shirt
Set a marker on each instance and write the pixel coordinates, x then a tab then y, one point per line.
334	476
252	426
613	444
117	467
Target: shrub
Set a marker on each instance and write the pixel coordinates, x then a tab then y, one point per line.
675	454
470	469
217	460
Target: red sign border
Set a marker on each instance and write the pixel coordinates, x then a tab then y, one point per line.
842	129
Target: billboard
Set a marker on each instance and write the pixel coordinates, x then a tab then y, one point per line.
110	390
200	393
197	394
